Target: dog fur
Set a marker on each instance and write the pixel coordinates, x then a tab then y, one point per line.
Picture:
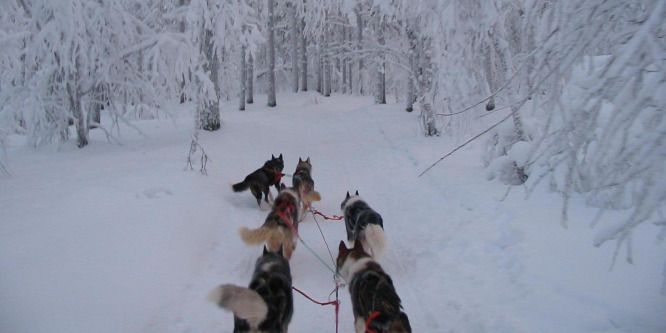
267	304
303	183
260	181
364	224
372	292
275	231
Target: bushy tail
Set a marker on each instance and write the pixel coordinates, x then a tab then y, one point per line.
243	302
255	236
375	241
314	196
240	187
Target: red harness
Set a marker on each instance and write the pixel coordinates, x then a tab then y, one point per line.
367	322
278	174
284	212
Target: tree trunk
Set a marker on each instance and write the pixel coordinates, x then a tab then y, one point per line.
99	99
250	80
295	27
210	112
243	79
380	94
304	59
320	76
413	71
74	93
271	55
327	61
359	27
182	25
343	40
349	61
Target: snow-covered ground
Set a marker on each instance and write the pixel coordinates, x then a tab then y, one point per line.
119	238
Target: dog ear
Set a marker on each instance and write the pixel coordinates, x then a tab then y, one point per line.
357	192
283	186
280	251
280	156
265	250
308	160
272	157
299	159
347	195
342	248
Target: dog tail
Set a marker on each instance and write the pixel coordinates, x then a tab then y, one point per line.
254	236
243	302
314	196
242	186
375	240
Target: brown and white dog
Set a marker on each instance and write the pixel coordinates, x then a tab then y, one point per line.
280	229
375	303
303	183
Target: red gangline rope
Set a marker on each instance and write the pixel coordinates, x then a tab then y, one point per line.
336	303
334	217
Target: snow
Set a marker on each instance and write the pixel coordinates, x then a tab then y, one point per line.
120	238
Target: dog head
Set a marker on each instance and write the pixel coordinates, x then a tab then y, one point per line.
272	262
349	199
304	164
349	257
275	163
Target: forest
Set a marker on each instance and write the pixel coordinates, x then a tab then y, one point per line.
581	85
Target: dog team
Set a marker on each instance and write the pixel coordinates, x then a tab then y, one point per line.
266	305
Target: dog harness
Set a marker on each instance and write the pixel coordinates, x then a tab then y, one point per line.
278	175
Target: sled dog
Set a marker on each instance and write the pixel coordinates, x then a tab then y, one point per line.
363	224
303	183
281	225
375	302
260	181
267	304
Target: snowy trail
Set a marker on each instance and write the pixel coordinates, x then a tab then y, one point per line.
129	242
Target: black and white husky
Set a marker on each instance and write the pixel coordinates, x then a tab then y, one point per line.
375	303
364	224
260	181
267	305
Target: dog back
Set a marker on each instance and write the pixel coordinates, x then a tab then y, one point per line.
372	291
358	215
272	281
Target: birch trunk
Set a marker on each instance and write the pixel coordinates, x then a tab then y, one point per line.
295	25
380	83
359	28
243	79
271	55
304	58
250	80
210	108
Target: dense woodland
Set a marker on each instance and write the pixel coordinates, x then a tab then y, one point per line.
581	85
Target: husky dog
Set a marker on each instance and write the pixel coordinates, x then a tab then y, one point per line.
303	183
267	304
261	179
281	225
364	224
375	302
